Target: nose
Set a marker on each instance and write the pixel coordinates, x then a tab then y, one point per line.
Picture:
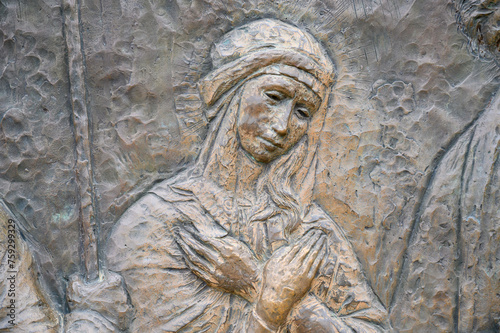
282	117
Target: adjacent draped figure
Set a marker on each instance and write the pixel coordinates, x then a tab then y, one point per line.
452	281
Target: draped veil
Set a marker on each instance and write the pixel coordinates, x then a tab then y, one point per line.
286	185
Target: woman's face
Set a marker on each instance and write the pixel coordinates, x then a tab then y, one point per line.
274	115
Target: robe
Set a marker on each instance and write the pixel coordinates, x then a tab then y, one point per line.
452	281
168	297
24	306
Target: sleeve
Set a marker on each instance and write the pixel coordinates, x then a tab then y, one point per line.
165	294
341	299
432	249
99	306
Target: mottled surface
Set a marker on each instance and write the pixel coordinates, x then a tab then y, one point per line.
36	139
25	303
406	88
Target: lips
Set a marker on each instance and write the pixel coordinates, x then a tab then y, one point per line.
272	141
270	144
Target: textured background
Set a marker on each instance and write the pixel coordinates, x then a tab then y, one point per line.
406	88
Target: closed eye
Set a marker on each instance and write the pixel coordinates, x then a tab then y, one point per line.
276	96
303	112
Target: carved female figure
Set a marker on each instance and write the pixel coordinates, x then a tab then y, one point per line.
236	243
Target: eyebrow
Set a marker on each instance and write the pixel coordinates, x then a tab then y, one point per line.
315	104
308	88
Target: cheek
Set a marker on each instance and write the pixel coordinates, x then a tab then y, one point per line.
253	112
297	130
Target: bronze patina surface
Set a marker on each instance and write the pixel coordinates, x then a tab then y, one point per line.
249	166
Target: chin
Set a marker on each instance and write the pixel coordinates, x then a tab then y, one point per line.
263	159
260	155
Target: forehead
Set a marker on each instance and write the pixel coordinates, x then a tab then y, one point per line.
285	84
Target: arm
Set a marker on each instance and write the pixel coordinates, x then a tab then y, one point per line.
164	292
286	277
312	315
223	263
340	298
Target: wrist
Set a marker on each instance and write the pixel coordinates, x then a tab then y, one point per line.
267	315
254	290
257	324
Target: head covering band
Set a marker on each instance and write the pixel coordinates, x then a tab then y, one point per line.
266	47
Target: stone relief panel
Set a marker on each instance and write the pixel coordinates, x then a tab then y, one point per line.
37	143
128	159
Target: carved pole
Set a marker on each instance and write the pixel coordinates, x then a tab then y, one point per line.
82	130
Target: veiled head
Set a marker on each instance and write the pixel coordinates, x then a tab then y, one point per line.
266	97
283	76
267	47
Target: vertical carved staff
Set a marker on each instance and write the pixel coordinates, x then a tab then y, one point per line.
82	130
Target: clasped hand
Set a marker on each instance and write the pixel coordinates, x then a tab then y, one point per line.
228	264
223	263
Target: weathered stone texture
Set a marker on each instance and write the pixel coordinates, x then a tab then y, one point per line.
36	137
406	88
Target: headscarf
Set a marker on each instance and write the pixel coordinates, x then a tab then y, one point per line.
267	47
262	47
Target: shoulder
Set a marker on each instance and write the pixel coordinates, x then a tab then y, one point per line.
143	236
147	214
482	135
459	164
155	209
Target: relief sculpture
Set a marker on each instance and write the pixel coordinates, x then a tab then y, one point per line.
250	166
235	242
453	258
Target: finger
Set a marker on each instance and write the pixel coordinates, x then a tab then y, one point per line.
218	245
222	246
305	263
306	248
318	261
307	240
197	250
226	247
201	248
315	251
193	258
202	274
202	236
